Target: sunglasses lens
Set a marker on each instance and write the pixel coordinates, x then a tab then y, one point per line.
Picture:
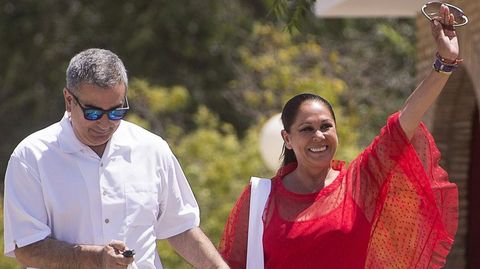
92	114
432	11
117	114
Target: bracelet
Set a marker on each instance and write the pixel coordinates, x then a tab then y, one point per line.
444	66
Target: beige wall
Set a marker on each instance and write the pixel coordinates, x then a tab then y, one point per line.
450	119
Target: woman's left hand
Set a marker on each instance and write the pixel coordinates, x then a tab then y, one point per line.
444	35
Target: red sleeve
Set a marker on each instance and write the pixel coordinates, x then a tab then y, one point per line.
371	169
408	198
233	244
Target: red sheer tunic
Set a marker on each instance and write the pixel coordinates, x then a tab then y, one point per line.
393	207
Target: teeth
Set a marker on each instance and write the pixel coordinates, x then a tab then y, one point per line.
318	149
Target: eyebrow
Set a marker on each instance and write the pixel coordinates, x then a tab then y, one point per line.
322	121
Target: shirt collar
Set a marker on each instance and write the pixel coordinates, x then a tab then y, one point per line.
67	139
70	144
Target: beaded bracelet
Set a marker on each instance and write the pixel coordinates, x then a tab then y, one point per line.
444	66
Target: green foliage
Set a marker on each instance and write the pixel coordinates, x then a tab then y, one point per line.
184	42
218	165
5	263
376	63
159	108
292	12
205	75
275	65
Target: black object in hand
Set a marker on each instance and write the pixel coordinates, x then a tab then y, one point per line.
128	253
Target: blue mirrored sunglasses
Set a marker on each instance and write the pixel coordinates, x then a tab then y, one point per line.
93	114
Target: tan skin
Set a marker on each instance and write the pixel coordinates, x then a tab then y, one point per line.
313	138
94	134
313	172
55	254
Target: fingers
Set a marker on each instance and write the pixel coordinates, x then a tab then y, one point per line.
445	14
445	20
444	33
118	245
437	30
113	258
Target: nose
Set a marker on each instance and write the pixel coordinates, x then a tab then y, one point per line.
104	122
318	135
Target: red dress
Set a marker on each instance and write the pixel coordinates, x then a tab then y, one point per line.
393	207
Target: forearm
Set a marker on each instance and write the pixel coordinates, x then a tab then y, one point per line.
420	101
53	254
195	247
446	62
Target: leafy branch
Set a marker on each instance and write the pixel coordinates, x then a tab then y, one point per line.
292	12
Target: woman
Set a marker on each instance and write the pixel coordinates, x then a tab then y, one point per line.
393	207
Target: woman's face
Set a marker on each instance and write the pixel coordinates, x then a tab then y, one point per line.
312	136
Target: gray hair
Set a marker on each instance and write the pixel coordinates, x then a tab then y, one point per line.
98	67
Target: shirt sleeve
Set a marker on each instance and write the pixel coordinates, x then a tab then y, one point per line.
179	210
408	198
233	244
371	169
25	215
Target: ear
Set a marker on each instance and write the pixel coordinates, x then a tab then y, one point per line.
68	100
286	139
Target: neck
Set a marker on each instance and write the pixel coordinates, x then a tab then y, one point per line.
99	149
303	181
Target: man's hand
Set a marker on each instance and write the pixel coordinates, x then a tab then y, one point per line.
112	256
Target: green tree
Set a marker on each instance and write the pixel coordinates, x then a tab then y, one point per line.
376	56
276	65
170	43
223	67
217	162
377	64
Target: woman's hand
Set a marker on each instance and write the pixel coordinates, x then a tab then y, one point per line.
428	90
444	35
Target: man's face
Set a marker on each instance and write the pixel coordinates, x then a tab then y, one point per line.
94	134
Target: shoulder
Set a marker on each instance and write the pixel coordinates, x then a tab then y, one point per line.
38	142
139	136
144	143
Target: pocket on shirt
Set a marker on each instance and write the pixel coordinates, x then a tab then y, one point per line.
141	202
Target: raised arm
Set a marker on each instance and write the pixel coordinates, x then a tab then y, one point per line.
195	247
55	254
429	89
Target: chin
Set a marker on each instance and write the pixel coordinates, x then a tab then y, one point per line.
97	142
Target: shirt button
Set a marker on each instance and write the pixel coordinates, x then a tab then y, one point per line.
101	164
107	220
104	192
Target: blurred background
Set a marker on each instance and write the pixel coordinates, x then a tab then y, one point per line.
206	75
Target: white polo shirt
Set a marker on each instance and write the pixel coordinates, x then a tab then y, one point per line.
136	192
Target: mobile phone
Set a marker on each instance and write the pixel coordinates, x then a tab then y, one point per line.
128	253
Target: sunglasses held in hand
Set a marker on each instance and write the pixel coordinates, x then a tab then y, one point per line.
431	11
95	113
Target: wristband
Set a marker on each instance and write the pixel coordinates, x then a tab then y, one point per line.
442	66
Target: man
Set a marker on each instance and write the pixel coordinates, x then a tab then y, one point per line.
83	191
